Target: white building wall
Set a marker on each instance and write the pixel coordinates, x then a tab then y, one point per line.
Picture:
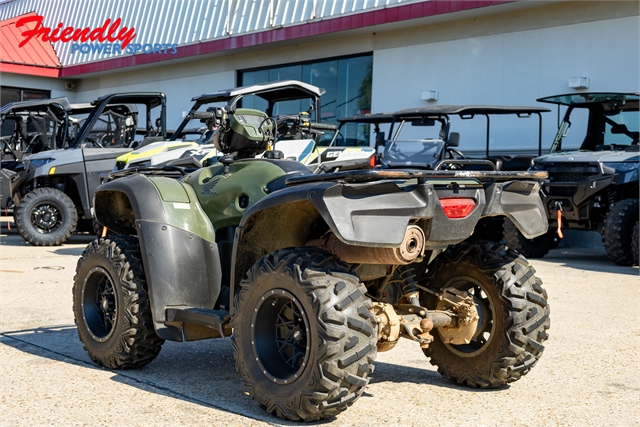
512	68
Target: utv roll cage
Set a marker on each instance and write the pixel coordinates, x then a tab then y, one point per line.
272	92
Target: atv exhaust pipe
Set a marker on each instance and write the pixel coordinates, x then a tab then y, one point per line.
409	250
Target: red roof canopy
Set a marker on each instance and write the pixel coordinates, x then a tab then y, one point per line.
36	57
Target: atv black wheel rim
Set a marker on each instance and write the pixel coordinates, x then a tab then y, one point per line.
279	336
486	309
46	218
100	304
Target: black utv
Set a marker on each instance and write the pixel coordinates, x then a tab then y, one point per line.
29	127
596	186
312	274
53	193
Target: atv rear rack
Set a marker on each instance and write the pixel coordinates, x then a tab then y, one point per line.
376	175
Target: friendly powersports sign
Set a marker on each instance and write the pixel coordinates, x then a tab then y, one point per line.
110	38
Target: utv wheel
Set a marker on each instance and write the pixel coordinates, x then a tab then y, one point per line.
304	338
111	305
635	242
617	230
46	217
513	310
529	248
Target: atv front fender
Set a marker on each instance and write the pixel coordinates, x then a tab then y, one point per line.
177	241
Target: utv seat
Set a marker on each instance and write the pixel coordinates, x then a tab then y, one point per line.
518	163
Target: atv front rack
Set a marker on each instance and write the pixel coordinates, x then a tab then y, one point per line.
377	175
166	171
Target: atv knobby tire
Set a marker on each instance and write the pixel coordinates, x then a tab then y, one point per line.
46	217
617	231
529	248
111	305
513	310
304	337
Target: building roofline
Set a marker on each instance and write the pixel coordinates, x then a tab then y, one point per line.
316	28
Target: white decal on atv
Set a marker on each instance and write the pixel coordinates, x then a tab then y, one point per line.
186	206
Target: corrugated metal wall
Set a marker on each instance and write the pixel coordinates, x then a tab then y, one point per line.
183	22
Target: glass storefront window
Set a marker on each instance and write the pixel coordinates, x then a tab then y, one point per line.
347	82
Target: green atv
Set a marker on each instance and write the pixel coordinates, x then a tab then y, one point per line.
295	268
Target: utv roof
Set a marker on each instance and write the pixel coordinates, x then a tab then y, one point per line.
149	98
272	92
81	108
464	110
584	100
368	118
36	104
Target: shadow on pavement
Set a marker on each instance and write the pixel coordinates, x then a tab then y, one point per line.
201	372
590	259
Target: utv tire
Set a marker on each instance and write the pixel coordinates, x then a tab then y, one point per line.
635	242
617	230
304	337
46	217
513	310
529	248
111	305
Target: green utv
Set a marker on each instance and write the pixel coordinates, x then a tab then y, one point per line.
311	275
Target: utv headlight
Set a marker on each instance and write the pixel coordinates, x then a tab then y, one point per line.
626	171
36	163
622	166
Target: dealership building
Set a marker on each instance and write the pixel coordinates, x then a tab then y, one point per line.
369	55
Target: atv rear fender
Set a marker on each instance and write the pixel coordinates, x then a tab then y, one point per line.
376	214
180	255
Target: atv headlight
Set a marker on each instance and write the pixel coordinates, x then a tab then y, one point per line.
36	163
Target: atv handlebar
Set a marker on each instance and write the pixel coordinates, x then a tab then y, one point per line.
297	119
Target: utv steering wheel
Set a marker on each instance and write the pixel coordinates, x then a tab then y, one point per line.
455	154
94	142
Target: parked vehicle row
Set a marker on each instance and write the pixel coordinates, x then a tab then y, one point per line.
595	188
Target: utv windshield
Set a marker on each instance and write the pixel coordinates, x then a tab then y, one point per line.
412	153
613	121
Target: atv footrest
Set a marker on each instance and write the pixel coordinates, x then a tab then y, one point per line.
214	319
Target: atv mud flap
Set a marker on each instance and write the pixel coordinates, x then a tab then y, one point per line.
520	202
183	269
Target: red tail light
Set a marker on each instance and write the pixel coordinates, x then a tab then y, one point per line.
372	161
457	207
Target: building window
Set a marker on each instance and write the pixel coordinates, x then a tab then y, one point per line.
14	94
347	82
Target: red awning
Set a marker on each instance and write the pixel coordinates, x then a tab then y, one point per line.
36	57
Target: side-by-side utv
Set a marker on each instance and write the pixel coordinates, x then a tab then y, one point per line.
53	193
